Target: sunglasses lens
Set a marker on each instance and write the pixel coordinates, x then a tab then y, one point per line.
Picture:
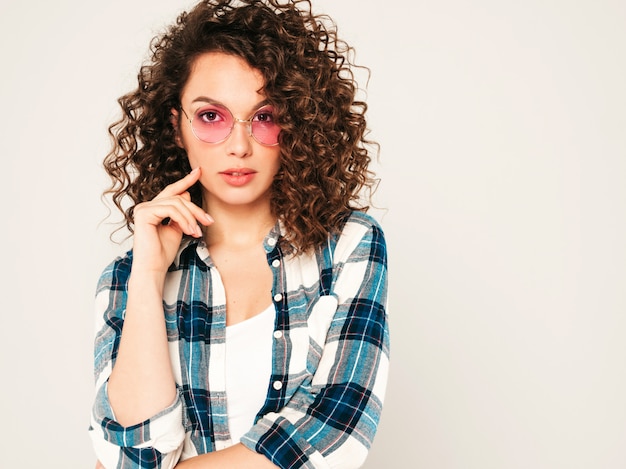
264	127
212	124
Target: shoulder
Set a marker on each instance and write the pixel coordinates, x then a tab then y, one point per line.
360	236
360	222
116	272
118	266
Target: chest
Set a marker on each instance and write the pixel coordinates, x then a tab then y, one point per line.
247	282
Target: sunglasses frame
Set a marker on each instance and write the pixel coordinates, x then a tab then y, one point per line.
236	120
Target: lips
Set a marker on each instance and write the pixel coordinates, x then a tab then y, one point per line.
237	173
237	176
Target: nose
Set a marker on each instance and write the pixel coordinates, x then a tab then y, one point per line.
239	141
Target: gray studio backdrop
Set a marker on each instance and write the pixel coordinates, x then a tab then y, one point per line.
503	161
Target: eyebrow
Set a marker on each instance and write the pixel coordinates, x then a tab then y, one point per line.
207	100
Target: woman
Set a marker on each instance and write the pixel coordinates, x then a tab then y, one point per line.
247	325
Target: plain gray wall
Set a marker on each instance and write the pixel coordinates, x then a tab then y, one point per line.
503	161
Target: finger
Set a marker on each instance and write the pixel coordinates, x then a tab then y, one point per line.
180	186
199	214
184	220
175	212
192	212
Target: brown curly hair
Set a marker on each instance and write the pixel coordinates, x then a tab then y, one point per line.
309	79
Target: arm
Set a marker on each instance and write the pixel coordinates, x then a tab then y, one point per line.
141	382
153	443
234	457
137	413
331	419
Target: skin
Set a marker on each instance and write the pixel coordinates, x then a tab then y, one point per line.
243	215
140	386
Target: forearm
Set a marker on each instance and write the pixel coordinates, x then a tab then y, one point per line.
141	382
234	457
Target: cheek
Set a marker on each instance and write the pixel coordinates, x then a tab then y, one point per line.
196	154
193	161
276	161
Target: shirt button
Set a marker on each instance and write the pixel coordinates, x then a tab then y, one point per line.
278	297
277	385
275	263
278	334
271	242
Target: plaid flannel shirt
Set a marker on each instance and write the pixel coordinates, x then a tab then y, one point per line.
329	365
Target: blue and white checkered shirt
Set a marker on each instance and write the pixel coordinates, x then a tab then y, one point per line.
329	366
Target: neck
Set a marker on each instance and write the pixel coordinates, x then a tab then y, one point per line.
238	227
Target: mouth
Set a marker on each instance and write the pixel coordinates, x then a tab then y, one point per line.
238	177
238	172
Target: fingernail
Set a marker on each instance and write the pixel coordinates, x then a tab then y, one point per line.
209	217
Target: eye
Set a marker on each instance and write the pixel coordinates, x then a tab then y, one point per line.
211	115
264	116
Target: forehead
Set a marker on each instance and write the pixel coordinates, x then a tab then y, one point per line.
224	78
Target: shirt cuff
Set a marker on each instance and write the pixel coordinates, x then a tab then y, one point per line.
164	431
281	442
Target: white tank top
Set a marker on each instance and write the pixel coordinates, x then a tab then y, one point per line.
248	369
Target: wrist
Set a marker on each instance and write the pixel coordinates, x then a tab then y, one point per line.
146	282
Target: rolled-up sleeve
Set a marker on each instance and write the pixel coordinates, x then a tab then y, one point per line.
154	443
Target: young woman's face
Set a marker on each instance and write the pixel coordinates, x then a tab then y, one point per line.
237	170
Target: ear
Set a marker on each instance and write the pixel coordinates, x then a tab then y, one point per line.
175	120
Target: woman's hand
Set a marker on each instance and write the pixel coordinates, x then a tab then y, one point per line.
161	223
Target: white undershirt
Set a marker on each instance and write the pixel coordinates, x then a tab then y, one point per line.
248	369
